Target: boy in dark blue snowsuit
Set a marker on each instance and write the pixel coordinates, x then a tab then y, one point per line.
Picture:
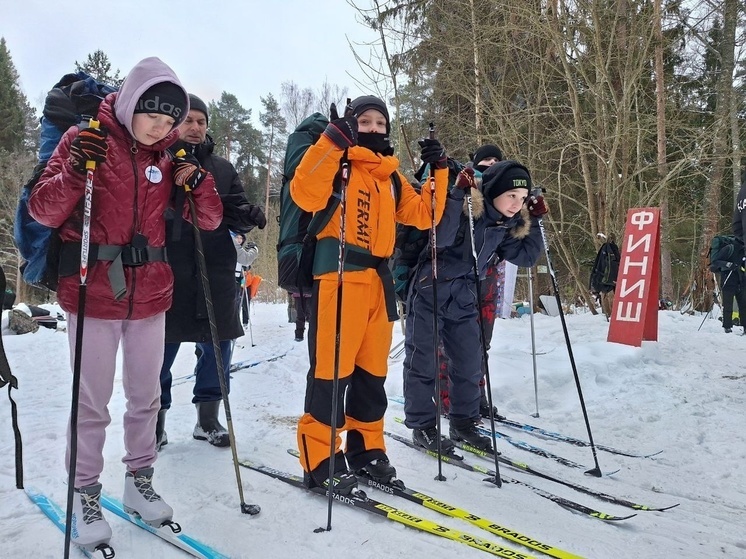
502	225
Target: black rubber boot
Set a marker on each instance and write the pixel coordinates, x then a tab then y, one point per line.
161	438
208	427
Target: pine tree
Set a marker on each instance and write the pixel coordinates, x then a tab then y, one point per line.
97	66
275	136
14	108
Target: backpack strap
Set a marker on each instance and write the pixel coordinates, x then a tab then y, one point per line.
6	377
134	254
356	259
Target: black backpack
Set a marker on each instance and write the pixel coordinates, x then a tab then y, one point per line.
72	101
726	252
605	268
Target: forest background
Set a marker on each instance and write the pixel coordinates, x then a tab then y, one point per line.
610	104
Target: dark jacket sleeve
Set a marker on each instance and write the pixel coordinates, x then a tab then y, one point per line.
737	223
524	251
236	207
449	224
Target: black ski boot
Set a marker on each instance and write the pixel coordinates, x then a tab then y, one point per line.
208	427
161	438
428	438
484	411
379	470
466	431
344	481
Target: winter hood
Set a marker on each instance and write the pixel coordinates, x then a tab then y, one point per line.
145	74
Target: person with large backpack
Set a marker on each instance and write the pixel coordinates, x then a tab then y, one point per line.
128	280
604	273
505	224
727	259
187	319
349	337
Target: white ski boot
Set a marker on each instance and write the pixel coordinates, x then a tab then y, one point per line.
89	529
141	499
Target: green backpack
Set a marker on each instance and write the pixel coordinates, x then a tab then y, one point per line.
298	229
296	246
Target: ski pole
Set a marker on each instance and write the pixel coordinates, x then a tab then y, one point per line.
220	368
85	242
482	338
714	298
533	337
434	262
7	377
345	177
597	470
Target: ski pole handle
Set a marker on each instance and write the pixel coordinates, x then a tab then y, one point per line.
181	153
91	165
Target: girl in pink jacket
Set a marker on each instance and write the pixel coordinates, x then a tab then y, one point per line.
129	281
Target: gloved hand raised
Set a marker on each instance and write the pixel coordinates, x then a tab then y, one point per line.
257	216
88	145
433	153
342	131
186	172
536	205
465	179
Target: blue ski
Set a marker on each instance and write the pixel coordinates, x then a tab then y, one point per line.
193	547
57	516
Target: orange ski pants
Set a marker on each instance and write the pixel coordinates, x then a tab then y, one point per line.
365	339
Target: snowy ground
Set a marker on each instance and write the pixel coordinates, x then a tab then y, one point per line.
685	395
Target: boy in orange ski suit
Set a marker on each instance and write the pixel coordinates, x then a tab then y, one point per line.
377	197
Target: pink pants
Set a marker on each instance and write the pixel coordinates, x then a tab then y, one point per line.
142	356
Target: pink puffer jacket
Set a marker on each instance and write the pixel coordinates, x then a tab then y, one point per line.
131	193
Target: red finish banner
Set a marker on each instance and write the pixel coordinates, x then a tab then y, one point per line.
634	317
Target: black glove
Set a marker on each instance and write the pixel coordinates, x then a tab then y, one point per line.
88	145
536	205
433	153
187	172
343	132
257	216
465	179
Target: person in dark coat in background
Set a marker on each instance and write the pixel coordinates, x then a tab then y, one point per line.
604	273
186	320
732	284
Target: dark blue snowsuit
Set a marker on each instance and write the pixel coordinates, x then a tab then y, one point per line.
517	240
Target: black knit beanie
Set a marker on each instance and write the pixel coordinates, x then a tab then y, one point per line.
197	104
487	150
504	176
361	104
164	98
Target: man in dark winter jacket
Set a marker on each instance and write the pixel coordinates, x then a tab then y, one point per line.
728	262
186	320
